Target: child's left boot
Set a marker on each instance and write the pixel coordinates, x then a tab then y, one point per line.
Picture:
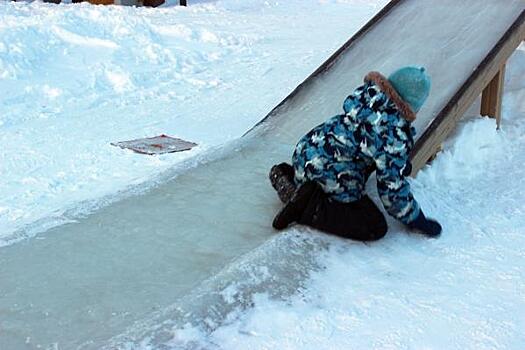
293	210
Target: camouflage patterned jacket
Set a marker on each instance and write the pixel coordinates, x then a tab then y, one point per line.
375	133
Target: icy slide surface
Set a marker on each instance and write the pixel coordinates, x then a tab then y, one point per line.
87	281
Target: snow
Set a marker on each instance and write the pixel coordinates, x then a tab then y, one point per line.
94	281
76	77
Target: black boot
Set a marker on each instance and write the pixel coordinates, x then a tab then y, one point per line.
281	177
295	207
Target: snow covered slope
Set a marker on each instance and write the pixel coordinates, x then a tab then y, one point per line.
74	78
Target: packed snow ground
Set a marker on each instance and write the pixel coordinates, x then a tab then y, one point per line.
465	290
74	78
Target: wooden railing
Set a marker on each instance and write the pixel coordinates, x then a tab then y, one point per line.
486	79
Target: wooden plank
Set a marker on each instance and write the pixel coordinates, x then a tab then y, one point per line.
446	120
492	97
153	3
101	2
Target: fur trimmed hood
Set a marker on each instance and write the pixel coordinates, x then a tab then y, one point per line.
385	86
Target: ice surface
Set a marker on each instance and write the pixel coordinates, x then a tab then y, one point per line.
450	38
85	281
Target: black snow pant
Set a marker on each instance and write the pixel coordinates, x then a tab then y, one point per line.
360	220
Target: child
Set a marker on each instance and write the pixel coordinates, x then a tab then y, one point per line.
325	187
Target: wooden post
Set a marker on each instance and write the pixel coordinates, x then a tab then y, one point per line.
492	96
438	149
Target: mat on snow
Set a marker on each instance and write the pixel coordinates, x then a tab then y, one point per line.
156	145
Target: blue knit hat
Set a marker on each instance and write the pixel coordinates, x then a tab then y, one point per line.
412	84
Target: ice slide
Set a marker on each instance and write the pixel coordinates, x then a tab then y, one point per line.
202	241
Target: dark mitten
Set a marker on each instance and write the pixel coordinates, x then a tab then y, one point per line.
428	227
360	220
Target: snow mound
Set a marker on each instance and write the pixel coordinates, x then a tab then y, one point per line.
74	78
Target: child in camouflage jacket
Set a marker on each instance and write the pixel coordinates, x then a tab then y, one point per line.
325	187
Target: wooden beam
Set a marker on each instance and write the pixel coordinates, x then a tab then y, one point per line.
101	2
447	118
152	3
492	96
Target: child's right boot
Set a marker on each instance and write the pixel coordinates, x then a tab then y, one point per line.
282	179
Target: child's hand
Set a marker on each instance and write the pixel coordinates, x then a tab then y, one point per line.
429	227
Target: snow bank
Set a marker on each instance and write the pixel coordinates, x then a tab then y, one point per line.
74	78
